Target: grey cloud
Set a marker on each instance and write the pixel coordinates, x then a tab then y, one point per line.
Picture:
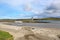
53	10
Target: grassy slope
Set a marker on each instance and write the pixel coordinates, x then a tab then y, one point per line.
50	18
5	36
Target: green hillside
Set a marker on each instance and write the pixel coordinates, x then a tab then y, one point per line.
51	18
28	20
5	36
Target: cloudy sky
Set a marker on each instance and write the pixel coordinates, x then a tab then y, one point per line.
29	8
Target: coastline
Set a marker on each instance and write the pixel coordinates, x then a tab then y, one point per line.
17	31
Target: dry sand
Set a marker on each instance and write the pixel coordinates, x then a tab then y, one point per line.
32	33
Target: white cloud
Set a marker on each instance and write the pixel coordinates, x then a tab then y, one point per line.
27	3
35	17
35	6
57	3
28	7
37	12
53	10
15	2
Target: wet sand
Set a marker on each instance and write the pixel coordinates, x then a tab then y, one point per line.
44	25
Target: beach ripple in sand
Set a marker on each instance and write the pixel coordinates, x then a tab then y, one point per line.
30	35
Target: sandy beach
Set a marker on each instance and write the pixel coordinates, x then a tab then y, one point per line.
32	33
